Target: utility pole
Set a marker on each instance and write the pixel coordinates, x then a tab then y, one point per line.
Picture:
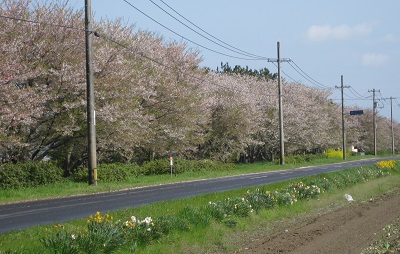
280	94
92	167
374	115
343	120
391	122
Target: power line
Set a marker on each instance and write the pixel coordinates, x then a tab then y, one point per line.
133	52
286	74
238	51
349	95
242	58
353	91
337	99
306	76
109	39
41	23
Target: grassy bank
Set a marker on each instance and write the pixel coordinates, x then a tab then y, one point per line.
220	235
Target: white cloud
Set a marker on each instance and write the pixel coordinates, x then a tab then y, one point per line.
390	38
374	59
343	32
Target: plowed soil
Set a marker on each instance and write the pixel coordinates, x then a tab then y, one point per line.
349	229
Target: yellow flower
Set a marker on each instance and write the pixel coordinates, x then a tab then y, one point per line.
386	164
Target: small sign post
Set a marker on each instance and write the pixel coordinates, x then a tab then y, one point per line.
171	163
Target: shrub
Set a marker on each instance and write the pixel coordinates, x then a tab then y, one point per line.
162	166
156	167
29	174
334	154
112	172
116	172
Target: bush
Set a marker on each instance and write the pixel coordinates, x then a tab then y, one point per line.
156	167
113	172
29	174
116	172
162	166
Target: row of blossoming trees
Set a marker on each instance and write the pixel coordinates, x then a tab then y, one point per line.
151	98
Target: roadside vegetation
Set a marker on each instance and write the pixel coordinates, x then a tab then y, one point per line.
203	222
39	180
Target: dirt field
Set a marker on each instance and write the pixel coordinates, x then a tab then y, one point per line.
346	230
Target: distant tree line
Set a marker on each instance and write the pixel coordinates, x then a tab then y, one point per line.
263	73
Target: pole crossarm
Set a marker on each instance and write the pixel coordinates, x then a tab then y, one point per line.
342	87
270	60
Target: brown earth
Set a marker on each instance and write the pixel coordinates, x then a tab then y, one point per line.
349	229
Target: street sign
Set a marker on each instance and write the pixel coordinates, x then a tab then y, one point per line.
356	112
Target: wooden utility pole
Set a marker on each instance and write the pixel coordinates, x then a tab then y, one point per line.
391	122
280	95
92	164
281	134
374	104
343	119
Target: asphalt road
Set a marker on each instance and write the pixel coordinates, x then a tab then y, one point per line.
26	214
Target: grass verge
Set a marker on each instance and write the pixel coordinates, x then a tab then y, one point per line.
216	236
69	188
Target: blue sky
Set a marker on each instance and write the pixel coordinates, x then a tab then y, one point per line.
359	39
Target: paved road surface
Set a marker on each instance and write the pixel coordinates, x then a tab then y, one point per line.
26	214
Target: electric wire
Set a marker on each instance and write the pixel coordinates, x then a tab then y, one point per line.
133	52
41	23
307	76
195	43
353	93
352	90
110	40
351	97
359	97
246	53
308	79
286	74
338	99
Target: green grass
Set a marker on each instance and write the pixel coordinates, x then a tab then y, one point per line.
216	237
220	238
68	188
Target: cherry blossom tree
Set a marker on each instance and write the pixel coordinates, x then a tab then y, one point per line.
151	97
